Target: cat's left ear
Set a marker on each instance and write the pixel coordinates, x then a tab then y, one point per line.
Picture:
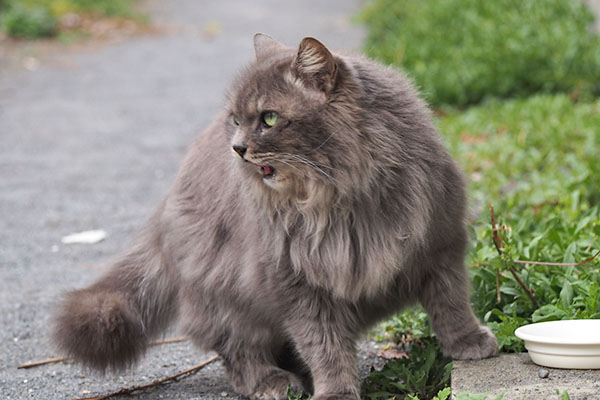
315	66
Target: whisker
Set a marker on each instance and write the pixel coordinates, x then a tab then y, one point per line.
267	159
301	160
289	158
306	160
322	143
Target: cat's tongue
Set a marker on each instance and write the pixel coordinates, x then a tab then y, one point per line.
267	170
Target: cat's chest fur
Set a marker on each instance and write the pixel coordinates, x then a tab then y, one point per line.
220	233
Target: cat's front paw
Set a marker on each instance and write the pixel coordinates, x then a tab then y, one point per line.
476	345
275	386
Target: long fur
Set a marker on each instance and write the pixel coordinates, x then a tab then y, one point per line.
280	274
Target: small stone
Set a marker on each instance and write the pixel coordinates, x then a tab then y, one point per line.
543	373
31	63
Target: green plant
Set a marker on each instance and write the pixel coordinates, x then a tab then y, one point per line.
28	21
409	325
424	374
564	395
103	7
292	395
39	18
462	51
443	394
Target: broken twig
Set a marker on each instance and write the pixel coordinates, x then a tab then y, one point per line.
498	298
513	271
43	362
126	391
169	341
498	242
558	264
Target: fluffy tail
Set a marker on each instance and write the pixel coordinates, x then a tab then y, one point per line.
108	326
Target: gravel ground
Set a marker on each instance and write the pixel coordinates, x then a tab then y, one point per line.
90	138
517	377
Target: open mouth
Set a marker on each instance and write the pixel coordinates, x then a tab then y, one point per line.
267	170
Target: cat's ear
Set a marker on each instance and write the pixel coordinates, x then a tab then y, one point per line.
314	65
264	45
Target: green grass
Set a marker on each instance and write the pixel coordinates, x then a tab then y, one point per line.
33	19
528	152
107	8
462	51
28	21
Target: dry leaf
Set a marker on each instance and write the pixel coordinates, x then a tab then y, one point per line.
391	354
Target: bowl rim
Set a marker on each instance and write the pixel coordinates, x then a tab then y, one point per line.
522	333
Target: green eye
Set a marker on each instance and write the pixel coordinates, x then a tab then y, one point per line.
236	120
270	118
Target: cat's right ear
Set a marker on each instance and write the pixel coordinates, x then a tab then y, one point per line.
265	45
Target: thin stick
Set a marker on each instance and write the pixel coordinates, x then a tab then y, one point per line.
62	359
158	382
43	362
529	291
498	243
499	299
169	341
497	239
558	264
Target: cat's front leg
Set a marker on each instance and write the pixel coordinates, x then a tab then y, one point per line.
445	296
324	333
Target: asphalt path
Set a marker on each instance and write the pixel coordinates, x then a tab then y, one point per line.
91	137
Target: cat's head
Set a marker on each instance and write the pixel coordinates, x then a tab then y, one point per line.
289	118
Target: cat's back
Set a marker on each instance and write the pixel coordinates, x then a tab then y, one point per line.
398	129
388	89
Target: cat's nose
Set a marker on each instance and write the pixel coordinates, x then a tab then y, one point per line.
240	149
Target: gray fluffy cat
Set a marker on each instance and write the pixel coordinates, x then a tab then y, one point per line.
318	203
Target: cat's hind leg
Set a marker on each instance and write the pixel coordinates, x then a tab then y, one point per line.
254	350
253	369
324	331
289	359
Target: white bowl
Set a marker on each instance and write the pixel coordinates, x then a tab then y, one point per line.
563	344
